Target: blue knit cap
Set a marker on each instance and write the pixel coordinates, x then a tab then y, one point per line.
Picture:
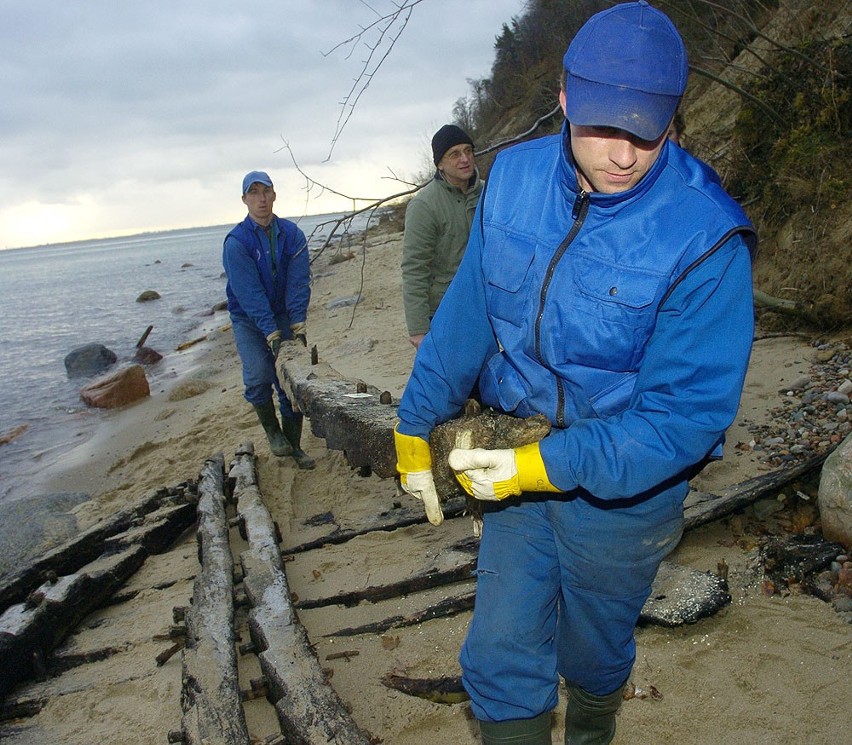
626	68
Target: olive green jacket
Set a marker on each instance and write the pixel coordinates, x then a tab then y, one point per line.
437	225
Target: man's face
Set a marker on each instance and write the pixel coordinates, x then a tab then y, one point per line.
611	160
457	165
259	200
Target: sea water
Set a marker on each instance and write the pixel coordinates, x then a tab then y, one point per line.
59	297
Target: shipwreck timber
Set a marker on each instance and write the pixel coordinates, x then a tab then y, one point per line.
242	605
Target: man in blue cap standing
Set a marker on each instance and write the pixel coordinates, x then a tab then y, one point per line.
607	285
266	263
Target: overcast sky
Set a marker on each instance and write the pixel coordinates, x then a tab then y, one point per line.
121	117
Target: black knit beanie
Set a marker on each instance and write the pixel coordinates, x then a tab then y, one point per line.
445	138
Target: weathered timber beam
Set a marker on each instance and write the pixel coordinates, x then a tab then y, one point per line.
374	593
309	710
457	568
210	695
362	427
403	516
679	595
78	551
701	508
34	627
444	609
354	422
29	630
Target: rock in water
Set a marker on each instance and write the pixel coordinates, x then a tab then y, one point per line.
88	359
478	429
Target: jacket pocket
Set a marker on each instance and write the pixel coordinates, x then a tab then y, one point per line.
501	387
599	314
506	269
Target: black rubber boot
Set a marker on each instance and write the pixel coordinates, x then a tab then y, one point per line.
535	731
590	720
292	428
278	444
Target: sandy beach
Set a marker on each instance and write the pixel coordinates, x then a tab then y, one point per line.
765	669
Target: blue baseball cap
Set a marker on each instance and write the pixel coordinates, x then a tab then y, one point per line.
255	177
626	68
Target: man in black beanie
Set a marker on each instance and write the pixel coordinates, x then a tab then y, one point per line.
437	224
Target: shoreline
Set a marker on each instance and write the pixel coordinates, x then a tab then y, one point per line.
766	668
102	466
159	441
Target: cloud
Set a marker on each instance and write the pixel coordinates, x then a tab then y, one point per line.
127	117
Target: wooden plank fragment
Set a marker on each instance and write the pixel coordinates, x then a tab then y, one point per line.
29	630
309	710
210	693
75	553
363	429
354	422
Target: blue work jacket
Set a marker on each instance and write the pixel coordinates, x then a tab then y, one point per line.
254	290
626	319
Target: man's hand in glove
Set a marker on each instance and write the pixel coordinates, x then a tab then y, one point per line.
414	463
274	342
496	474
300	332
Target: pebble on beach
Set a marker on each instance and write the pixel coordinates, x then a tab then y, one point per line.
814	415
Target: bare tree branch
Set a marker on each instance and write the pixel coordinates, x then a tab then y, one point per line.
745	94
389	28
346	218
516	138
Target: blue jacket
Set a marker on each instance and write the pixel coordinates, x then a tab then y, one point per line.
253	290
627	319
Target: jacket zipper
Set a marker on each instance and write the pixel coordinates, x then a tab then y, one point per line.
578	214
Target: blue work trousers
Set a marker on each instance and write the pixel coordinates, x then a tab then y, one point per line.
560	585
259	375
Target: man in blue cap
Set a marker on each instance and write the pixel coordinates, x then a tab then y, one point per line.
607	285
268	289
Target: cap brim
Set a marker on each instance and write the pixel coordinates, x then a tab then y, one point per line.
591	104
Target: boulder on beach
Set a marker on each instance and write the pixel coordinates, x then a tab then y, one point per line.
148	295
835	495
117	389
88	359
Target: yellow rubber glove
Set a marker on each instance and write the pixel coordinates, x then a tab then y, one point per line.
493	475
414	463
274	342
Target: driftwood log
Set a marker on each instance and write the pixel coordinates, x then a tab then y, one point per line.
786	307
309	711
701	508
210	693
